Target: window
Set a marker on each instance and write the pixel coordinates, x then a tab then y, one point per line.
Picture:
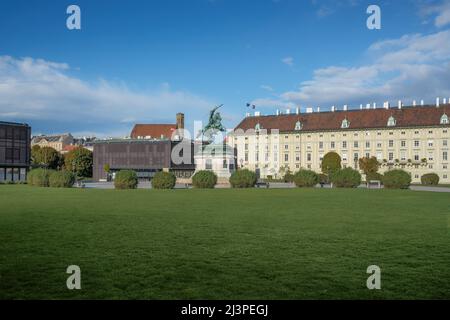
246	147
379	145
344	144
379	156
355	144
308	157
416	143
257	157
416	157
286	157
430	143
320	145
445	143
298	126
246	157
355	156
333	145
391	143
403	156
445	156
297	157
225	164
367	145
345	124
391	156
430	157
344	157
208	164
391	122
286	147
403	143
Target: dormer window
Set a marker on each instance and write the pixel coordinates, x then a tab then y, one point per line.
258	127
444	119
345	124
298	126
392	122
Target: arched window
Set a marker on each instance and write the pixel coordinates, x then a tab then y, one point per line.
392	122
298	126
444	119
345	124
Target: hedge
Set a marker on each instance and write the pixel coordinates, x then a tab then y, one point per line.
126	179
430	179
204	180
164	180
374	176
243	179
346	178
397	179
306	178
61	179
39	177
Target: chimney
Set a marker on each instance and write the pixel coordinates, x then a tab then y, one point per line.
333	109
422	103
297	110
374	105
386	105
414	103
278	112
345	107
247	114
400	104
368	106
288	111
318	109
309	110
361	106
180	121
444	101
257	113
438	102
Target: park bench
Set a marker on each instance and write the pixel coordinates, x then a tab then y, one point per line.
261	184
374	182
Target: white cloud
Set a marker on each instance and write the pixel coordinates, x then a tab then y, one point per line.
411	67
440	12
266	87
36	90
288	60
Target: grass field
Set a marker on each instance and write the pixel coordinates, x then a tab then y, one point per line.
223	244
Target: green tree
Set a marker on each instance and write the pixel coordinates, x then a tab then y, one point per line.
35	150
79	161
46	157
331	163
369	166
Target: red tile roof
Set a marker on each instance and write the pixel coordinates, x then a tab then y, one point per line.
154	131
423	116
69	148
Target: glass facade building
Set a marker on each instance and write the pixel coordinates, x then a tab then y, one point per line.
15	149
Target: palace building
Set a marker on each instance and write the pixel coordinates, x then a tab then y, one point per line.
415	139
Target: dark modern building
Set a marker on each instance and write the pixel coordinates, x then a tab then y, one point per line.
146	157
15	149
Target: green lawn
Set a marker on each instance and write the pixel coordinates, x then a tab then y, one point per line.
223	244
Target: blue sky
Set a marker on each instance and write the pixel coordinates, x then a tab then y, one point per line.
143	61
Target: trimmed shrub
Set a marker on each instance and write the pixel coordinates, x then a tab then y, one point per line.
306	179
346	178
374	176
430	179
324	179
164	180
331	163
243	179
204	180
39	177
61	179
126	179
397	179
288	177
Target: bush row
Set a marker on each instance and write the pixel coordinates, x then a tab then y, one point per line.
50	178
